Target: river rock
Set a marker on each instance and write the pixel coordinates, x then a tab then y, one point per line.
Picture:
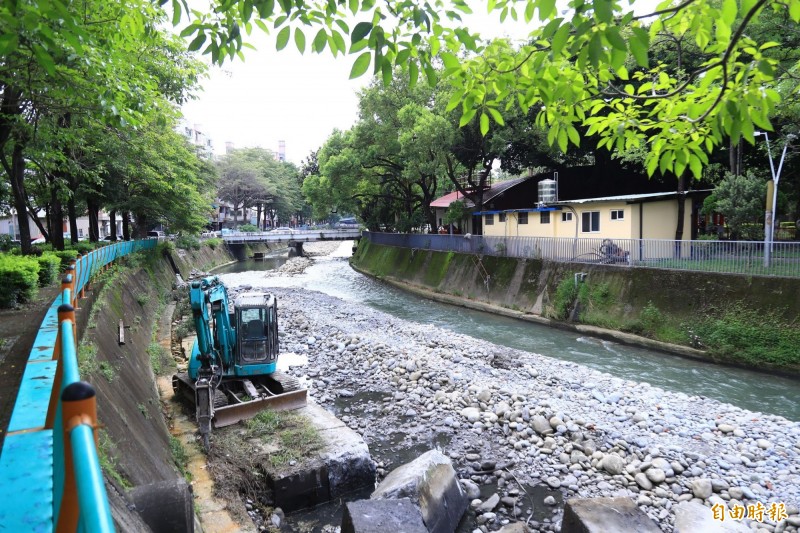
692	517
702	488
613	464
541	425
605	515
656	475
430	482
642	480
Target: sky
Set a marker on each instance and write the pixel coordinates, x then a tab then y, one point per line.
285	96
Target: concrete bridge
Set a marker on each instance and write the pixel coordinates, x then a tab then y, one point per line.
294	239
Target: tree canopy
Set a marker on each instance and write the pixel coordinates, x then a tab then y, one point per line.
587	66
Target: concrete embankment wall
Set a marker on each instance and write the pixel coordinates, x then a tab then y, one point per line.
623	296
146	489
135	441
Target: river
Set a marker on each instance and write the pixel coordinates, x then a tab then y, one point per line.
333	275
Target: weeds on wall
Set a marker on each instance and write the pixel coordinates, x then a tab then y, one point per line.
179	457
108	462
746	335
564	299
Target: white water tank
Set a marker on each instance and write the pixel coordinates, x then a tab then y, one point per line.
548	191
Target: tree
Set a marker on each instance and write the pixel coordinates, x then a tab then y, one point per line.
572	70
65	66
740	198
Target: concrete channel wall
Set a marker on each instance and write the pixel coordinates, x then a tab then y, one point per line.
528	289
135	438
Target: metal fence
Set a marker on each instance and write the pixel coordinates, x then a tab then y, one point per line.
731	257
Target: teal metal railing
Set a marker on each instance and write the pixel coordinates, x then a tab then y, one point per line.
50	476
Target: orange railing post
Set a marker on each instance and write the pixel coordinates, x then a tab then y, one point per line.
79	406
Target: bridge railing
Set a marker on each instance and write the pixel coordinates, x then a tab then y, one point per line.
293	235
50	476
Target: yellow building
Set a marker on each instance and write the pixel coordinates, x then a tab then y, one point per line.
635	216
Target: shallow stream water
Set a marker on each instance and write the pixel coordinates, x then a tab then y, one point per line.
333	275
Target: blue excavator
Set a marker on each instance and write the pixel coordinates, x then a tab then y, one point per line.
232	373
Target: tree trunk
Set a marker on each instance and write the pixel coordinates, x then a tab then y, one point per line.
126	228
258	215
56	211
112	224
735	158
73	219
17	178
141	225
94	219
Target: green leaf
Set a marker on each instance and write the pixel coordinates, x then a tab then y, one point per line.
639	45
320	41
546	8
603	10
361	30
300	40
496	116
614	39
360	65
794	10
652	164
466	117
283	38
696	166
729	9
559	40
413	74
197	43
484	124
450	61
176	12
45	60
455	99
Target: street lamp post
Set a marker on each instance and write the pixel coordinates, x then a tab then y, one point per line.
772	196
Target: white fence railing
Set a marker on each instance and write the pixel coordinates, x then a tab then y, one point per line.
732	257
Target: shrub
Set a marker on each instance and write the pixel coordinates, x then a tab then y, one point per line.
248	227
213	243
82	247
67	257
19	277
187	242
566	292
49	267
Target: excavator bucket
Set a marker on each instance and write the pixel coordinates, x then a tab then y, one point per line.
231	414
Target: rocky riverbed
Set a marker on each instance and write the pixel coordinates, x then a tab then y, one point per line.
518	424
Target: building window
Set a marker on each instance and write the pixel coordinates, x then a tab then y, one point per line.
566	217
501	217
80	232
488	220
590	222
617	214
544	217
523	218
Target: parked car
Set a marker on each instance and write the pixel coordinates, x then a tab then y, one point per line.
157	234
283	229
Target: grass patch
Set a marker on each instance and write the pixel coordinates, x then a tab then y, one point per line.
156	352
87	359
179	457
746	335
564	299
294	435
108	371
108	463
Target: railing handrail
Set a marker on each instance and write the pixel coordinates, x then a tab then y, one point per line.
79	499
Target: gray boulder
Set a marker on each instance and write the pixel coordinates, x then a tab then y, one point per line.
605	515
691	517
430	482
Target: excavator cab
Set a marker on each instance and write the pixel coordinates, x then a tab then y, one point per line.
256	325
